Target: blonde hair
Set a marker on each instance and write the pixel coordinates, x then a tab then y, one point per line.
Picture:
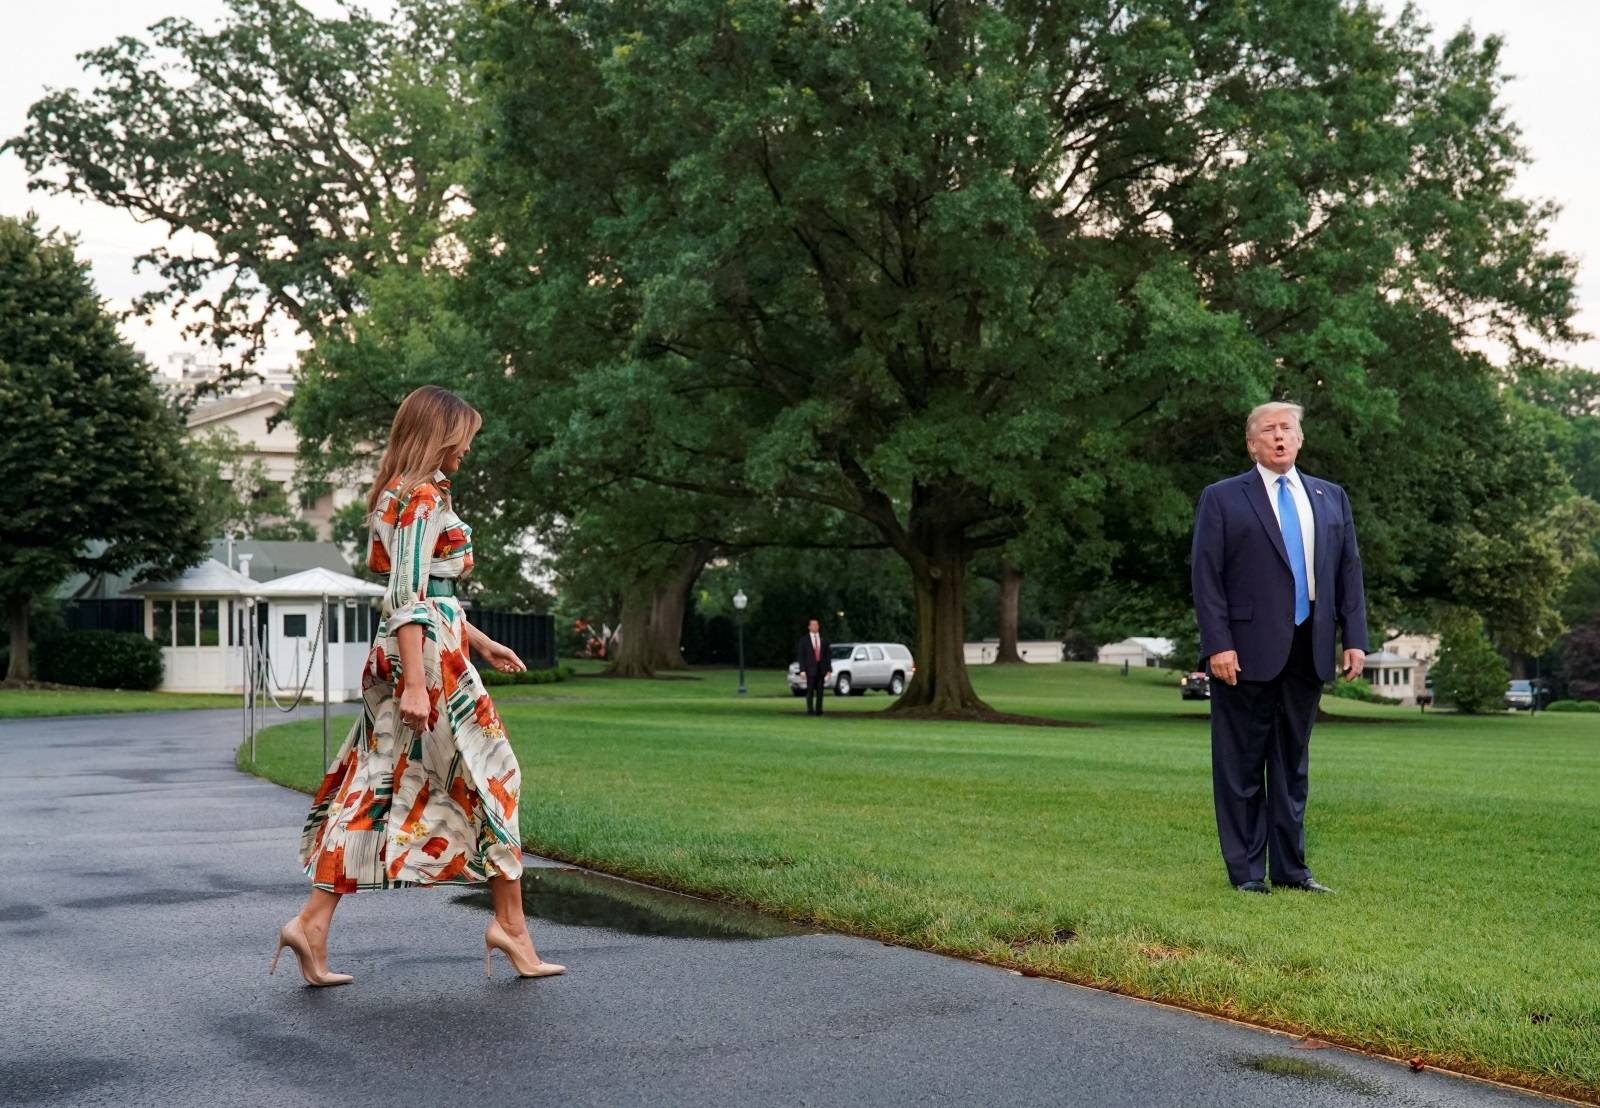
1272	406
429	424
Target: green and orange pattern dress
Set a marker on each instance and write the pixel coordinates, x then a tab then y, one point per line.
401	807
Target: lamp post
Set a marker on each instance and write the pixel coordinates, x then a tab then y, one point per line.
739	602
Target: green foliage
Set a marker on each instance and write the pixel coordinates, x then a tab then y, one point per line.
1469	673
753	251
236	495
1573	706
100	660
1357	689
307	155
99	475
494	677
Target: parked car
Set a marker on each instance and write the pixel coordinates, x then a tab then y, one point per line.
1195	685
859	666
1527	695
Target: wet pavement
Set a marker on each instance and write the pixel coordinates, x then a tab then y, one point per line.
147	877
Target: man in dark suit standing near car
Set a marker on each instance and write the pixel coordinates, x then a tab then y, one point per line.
815	655
1275	571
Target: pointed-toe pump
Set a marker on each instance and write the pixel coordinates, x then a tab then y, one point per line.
293	936
495	938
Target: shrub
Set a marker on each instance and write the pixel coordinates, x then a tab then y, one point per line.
1470	673
525	677
100	660
1357	690
1573	706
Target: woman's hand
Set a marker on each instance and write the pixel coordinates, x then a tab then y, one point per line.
502	658
414	707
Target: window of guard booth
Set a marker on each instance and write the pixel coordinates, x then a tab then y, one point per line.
186	629
210	623
352	616
161	622
294	625
333	621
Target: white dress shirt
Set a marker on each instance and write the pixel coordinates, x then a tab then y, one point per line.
1308	522
816	646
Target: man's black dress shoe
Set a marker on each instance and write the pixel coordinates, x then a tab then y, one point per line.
1309	885
1253	887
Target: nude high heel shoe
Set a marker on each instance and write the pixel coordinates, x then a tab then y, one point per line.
293	936
495	938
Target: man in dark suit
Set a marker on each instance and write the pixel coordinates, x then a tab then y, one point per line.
1275	572
815	655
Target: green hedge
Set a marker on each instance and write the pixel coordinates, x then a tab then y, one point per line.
1573	706
525	677
99	660
1357	690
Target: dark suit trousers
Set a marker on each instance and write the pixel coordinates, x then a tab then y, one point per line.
1256	727
815	691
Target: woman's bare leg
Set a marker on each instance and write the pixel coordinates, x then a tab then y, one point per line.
316	918
506	894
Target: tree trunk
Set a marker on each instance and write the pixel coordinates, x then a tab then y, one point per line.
941	686
18	606
670	602
632	658
1010	598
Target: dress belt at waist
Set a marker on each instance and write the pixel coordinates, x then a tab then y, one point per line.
441	586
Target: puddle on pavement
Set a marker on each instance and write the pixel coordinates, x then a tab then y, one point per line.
1304	1069
580	899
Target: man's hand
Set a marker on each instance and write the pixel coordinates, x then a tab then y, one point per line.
1354	662
1225	666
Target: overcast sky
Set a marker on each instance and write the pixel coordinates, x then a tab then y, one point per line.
1552	51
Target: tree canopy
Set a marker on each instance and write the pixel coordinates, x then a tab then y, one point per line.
965	269
100	478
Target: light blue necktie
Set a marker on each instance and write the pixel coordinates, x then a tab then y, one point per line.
1289	523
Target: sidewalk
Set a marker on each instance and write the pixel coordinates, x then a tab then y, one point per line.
147	878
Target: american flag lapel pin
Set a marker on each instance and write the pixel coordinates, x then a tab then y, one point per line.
1317	491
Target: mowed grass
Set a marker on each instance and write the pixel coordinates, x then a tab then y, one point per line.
1463	849
33	703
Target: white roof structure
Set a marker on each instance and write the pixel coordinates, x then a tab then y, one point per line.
316	582
1161	648
209	578
1389	658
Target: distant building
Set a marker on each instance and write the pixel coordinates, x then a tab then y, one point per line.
1138	652
249	416
1399	671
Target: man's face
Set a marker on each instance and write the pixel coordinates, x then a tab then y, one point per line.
1275	440
813	627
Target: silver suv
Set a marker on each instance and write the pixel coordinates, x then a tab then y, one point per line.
859	666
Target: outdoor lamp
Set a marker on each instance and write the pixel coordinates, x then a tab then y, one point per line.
739	601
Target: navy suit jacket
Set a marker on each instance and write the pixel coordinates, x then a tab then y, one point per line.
1244	588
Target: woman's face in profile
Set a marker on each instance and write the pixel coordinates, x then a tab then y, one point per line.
453	456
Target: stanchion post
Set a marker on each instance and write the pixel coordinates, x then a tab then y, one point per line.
324	682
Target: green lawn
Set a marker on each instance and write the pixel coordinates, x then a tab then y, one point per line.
1463	848
30	703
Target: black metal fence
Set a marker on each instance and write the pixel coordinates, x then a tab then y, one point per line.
104	615
533	637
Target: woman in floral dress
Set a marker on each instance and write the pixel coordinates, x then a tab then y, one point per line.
424	790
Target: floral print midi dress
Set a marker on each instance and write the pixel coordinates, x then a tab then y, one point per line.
401	807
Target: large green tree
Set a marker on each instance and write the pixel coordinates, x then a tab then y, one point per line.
967	269
100	478
293	157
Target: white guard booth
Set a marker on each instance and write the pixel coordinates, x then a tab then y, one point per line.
198	620
289	630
